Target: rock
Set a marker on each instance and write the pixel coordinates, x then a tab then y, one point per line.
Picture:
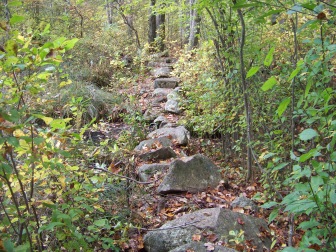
161	92
245	203
166	82
193	174
219	221
178	134
201	247
173	106
160	121
154	144
147	170
150	114
162	153
162	72
174	95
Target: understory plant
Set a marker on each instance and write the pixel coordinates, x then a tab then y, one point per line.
50	196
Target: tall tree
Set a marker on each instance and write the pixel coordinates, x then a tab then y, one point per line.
194	27
152	23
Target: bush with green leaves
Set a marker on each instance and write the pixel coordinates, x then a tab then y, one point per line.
49	195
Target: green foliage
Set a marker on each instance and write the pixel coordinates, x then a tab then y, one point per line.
49	196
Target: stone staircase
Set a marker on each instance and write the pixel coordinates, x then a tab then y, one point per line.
186	174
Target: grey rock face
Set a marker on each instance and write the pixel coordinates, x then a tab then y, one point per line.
161	92
191	174
166	82
244	202
200	247
163	153
154	144
162	72
172	106
150	114
219	221
160	121
179	134
147	170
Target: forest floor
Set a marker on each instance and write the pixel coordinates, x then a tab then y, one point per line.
150	210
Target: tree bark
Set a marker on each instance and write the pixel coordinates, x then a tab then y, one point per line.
195	20
161	31
245	95
152	24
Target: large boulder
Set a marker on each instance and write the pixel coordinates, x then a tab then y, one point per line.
147	170
218	221
191	174
180	134
166	82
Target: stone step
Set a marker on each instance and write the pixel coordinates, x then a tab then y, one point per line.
166	82
162	72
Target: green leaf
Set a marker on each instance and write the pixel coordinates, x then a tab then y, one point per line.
23	248
14	3
280	166
269	204
252	71
101	222
70	44
296	71
308	134
51	226
308	224
16	19
9	245
269	83
294	9
269	58
58	124
283	106
308	155
273	215
316	181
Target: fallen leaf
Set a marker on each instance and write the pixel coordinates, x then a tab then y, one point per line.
240	221
196	237
209	246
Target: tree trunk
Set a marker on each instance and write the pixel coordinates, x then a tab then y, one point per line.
195	20
246	97
161	31
152	24
109	12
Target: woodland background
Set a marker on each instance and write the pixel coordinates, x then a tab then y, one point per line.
259	86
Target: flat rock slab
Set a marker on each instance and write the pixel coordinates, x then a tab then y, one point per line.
162	92
202	247
147	170
219	221
193	174
172	106
160	121
166	82
245	203
154	144
162	72
151	113
163	153
180	134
